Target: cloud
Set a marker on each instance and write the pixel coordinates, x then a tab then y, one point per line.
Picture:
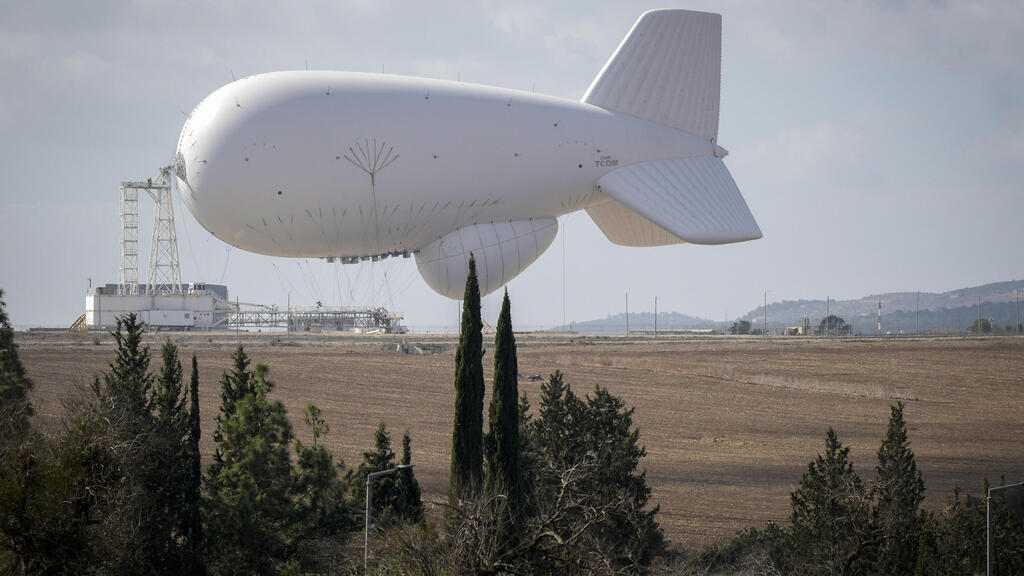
521	20
84	65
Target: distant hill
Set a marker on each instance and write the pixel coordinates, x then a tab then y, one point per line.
639	321
952	311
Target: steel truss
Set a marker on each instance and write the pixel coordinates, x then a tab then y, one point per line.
315	319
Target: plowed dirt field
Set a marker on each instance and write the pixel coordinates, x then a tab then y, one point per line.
729	422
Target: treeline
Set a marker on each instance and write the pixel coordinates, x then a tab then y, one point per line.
120	489
556	490
841	524
1003	317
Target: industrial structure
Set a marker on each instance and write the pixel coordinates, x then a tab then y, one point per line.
178	307
319	319
165	303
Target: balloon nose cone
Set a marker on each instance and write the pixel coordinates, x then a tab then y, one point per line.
178	166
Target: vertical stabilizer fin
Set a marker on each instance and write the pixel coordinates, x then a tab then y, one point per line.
668	70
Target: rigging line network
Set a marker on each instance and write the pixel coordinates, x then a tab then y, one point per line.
348	280
306	281
315	280
279	280
387	285
282	279
404	285
188	240
227	255
565	232
337	283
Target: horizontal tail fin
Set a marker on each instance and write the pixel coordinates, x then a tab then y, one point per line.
693	199
668	70
625	227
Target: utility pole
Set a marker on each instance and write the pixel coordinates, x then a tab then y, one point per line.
765	327
828	318
655	316
879	317
979	316
627	313
917	314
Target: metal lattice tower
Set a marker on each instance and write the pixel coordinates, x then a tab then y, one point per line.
164	273
128	272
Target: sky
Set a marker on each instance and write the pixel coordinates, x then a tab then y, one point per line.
879	145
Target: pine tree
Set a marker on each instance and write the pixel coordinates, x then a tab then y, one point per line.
167	471
410	501
467	431
54	499
382	457
831	515
322	514
587	452
15	385
168	401
503	472
558	427
321	503
248	509
126	389
134	528
899	492
234	386
193	490
929	561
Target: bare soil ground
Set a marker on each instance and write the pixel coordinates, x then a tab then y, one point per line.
729	423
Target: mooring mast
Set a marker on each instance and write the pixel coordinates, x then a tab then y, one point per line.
164	273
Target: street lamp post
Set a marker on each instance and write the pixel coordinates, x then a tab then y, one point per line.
989	544
369	510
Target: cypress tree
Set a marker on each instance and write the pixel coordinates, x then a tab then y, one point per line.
15	408
899	492
467	431
193	493
503	473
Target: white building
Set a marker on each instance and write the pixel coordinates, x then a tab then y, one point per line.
199	306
